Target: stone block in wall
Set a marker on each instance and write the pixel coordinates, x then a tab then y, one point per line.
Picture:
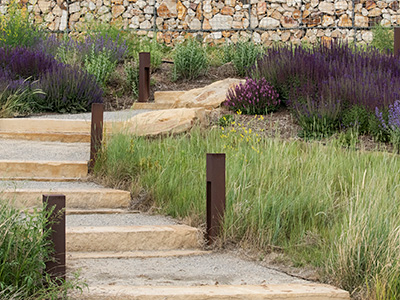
268	22
74	7
360	21
167	9
44	6
219	22
181	10
117	10
345	21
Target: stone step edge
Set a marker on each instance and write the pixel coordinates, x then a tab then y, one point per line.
42	169
83	199
132	238
51	179
151	105
312	291
134	254
67	137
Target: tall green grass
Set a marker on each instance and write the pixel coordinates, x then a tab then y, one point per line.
334	208
24	249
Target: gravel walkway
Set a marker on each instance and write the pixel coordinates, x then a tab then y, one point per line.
22	150
210	269
108	115
48	185
134	219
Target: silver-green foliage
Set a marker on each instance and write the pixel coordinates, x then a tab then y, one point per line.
244	55
190	60
132	78
100	65
383	38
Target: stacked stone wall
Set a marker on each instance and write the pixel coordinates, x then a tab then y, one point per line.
220	20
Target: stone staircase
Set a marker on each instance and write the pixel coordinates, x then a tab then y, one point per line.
124	254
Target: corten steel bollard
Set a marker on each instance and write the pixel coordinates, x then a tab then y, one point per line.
96	133
215	194
396	40
56	225
144	76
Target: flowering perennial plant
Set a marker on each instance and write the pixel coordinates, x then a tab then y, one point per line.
333	76
253	97
389	121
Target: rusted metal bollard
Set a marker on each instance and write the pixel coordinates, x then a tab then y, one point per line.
56	267
215	194
396	41
144	76
96	133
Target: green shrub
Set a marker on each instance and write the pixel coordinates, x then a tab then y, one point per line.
190	60
383	38
16	29
357	117
245	55
229	50
156	51
132	78
100	65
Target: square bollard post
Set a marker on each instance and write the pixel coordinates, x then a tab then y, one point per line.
96	133
56	267
396	41
215	194
144	76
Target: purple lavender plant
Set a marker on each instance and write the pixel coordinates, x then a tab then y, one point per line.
391	124
23	63
253	97
115	46
68	89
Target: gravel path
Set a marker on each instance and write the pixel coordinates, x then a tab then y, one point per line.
134	219
22	150
210	269
48	185
108	115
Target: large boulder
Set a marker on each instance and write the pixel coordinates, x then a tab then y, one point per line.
211	96
164	121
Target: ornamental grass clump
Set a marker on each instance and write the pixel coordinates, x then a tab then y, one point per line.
253	97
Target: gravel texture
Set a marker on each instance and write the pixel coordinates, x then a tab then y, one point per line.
133	219
210	269
108	115
22	150
48	185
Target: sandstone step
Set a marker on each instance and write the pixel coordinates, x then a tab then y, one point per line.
88	197
131	238
68	128
73	137
151	105
216	292
43	170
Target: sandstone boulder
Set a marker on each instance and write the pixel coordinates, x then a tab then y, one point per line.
208	97
164	121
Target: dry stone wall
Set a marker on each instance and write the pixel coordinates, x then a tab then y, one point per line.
220	20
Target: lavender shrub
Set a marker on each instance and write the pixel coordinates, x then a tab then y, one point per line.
68	89
253	97
65	88
389	121
338	73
